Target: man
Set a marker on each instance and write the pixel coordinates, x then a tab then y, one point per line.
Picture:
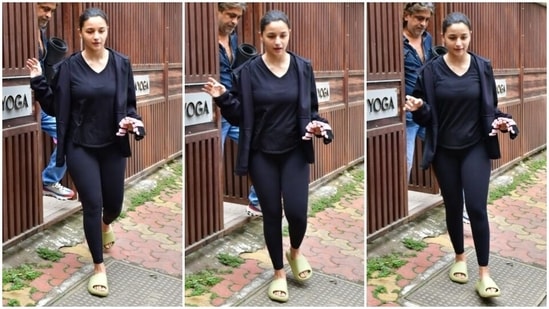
229	14
417	50
51	175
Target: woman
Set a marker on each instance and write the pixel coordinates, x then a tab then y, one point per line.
273	100
93	98
455	99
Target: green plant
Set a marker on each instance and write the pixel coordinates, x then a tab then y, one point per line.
19	277
384	266
14	303
201	282
380	289
533	166
50	255
230	260
285	231
171	181
413	244
346	189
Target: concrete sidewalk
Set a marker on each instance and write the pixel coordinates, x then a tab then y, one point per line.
334	246
518	233
144	267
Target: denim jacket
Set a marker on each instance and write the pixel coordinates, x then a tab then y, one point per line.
412	62
226	68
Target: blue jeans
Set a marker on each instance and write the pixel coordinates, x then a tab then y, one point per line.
51	173
412	130
232	132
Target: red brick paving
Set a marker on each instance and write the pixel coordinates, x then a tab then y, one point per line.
524	215
132	245
325	254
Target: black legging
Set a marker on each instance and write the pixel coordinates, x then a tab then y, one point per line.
275	177
98	174
465	172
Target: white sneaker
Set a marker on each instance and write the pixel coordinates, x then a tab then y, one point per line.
58	191
254	210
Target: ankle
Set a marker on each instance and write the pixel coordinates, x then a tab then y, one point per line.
294	253
461	258
99	268
105	227
280	274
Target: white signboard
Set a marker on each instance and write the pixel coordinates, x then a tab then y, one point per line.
323	91
16	102
382	103
198	108
501	88
142	85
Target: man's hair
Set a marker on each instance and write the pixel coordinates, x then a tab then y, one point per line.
223	6
414	7
40	3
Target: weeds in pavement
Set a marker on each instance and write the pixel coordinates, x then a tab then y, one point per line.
384	266
201	282
50	255
528	176
346	190
380	289
171	181
230	260
412	244
18	278
14	303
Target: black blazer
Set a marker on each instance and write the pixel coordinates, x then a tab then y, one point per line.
426	116
237	107
56	100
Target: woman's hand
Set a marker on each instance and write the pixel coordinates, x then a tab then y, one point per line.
130	125
34	67
317	128
412	104
214	88
503	124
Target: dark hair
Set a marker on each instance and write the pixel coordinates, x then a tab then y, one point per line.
223	6
271	16
89	13
414	7
455	18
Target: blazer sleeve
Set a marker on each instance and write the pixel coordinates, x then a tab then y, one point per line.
314	105
422	116
131	102
229	102
46	93
497	112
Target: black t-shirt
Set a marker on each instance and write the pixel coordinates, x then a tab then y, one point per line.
458	103
275	102
92	108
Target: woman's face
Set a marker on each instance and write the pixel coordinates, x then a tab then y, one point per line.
457	38
94	33
275	38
